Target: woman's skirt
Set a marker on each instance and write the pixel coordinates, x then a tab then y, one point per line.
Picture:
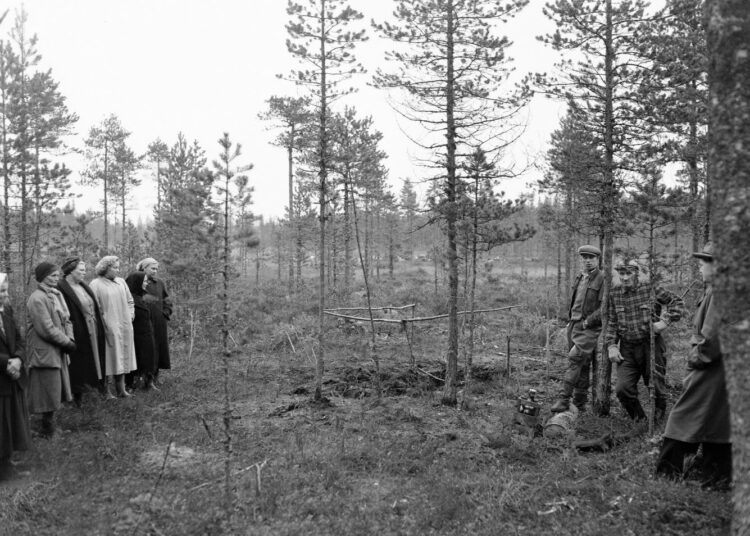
48	387
14	423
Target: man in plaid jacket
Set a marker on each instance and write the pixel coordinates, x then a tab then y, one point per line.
631	314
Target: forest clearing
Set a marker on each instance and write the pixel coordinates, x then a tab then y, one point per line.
419	289
353	463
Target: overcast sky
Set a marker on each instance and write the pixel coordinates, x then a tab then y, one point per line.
204	67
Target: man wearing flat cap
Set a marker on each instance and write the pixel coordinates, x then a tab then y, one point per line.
583	330
700	417
631	316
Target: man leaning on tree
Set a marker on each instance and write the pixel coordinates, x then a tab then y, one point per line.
583	330
631	315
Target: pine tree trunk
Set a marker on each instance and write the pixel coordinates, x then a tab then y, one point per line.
451	366
728	37
290	211
322	191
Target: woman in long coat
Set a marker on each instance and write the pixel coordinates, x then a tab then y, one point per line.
700	416
117	307
87	361
158	301
49	340
14	413
143	331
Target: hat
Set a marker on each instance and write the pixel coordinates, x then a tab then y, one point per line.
707	254
145	263
628	266
589	250
43	269
70	264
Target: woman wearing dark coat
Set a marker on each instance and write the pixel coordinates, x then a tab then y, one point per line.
87	361
158	301
143	332
14	414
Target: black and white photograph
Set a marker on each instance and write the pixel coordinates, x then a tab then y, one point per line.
388	267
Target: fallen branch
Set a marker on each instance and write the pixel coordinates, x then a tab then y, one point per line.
256	466
411	305
416	319
608	441
430	375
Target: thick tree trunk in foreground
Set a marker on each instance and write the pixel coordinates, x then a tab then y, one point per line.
728	37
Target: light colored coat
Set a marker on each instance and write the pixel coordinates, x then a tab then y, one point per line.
49	329
118	310
701	414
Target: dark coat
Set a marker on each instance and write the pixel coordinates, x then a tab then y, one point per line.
591	308
14	412
143	332
701	414
82	368
11	346
161	310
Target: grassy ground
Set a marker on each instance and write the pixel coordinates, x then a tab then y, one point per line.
401	464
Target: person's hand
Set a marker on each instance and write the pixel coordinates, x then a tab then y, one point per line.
70	346
14	368
614	354
659	326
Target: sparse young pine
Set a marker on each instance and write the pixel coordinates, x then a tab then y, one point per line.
320	35
450	63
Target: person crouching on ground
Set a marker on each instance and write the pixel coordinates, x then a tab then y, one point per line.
630	315
49	339
700	417
583	330
14	413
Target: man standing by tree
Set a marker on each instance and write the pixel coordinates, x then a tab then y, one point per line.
630	313
701	414
583	329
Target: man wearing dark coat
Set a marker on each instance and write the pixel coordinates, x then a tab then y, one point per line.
158	301
700	417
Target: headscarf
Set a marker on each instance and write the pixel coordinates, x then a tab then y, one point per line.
104	263
43	269
70	264
135	283
145	263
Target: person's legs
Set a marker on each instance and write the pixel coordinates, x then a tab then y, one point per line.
576	364
672	457
660	370
628	374
581	388
717	464
48	424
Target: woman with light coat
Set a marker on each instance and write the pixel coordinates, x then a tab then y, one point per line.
49	340
117	308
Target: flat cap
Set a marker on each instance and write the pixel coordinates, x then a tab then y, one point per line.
707	254
628	266
589	250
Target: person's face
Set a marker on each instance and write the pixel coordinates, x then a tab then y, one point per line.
589	262
152	270
79	272
707	270
113	270
628	278
52	279
4	292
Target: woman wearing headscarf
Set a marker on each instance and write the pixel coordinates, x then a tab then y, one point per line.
117	308
143	331
49	340
158	301
14	414
87	361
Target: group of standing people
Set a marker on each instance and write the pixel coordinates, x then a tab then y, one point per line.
700	417
105	335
